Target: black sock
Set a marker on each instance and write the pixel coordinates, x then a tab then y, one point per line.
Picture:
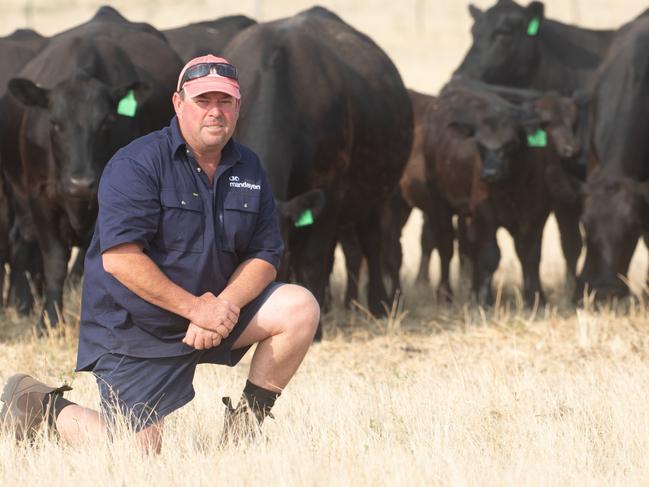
260	400
53	404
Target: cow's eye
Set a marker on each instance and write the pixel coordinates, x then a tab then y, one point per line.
108	121
461	129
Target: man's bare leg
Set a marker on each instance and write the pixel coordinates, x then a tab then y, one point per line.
283	328
78	425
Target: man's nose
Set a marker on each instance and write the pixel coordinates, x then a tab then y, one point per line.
214	110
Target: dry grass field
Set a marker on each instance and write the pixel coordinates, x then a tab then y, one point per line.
434	395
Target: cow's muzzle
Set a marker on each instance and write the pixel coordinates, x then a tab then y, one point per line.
80	187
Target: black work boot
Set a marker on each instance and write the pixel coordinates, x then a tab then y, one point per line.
241	424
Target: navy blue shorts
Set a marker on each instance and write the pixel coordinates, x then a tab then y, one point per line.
145	390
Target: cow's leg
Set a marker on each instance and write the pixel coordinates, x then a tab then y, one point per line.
370	237
645	238
528	248
397	215
571	241
76	271
464	248
444	235
486	254
5	248
311	256
55	253
25	263
353	261
427	243
589	272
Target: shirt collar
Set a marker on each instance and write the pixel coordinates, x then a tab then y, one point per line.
177	140
230	154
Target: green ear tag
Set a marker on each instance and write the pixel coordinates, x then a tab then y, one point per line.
538	139
128	105
533	27
305	219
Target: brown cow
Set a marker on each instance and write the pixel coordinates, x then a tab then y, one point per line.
479	165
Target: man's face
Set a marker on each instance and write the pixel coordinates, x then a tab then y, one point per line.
207	121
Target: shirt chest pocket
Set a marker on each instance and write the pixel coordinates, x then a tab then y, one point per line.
240	211
182	221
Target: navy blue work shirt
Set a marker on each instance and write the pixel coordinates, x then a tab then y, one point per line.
153	193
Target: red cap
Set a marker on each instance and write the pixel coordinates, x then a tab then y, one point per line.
211	82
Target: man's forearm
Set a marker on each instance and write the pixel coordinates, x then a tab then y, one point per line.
135	270
248	281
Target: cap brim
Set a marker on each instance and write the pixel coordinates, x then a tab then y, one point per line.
206	84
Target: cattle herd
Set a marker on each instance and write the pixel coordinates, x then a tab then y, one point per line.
539	117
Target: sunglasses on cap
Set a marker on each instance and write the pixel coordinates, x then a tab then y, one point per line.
203	69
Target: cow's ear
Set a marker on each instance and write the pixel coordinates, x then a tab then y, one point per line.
474	11
643	190
528	118
535	10
28	93
140	89
582	97
312	201
317	200
532	126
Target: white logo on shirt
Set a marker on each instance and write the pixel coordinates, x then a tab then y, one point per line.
235	182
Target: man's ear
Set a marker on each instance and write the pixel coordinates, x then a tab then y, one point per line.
176	101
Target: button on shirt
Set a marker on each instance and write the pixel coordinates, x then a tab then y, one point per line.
153	193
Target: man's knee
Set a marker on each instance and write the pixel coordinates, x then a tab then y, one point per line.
303	313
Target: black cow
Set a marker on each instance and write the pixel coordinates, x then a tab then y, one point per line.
616	204
515	45
202	38
91	90
480	166
331	120
16	50
411	192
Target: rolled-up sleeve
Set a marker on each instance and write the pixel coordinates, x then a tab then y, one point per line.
129	205
266	242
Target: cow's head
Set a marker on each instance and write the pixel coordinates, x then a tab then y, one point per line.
615	212
498	140
558	117
504	48
297	214
86	126
490	123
